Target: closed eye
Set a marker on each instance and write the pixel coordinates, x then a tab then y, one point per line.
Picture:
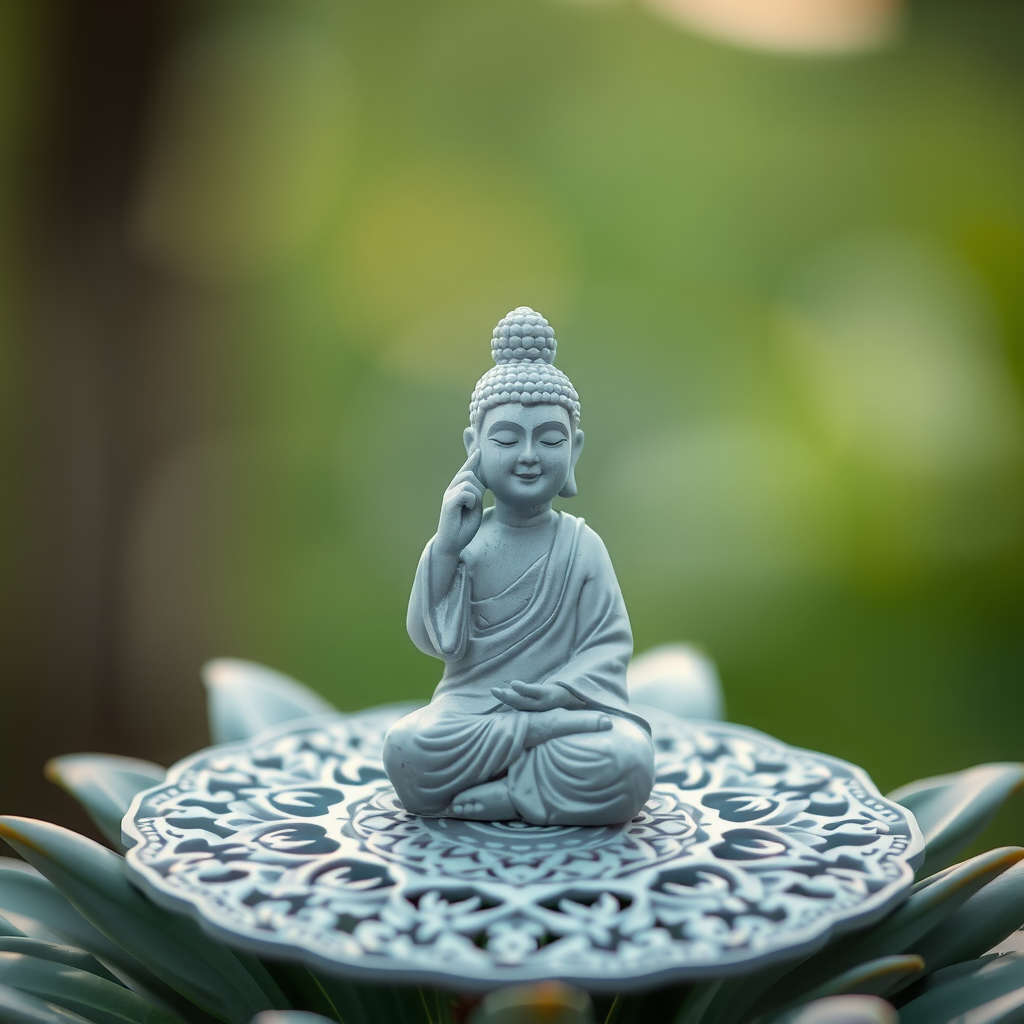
554	444
504	444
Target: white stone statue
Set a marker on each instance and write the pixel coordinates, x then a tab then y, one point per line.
530	720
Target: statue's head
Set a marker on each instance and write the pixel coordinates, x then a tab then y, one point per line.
525	414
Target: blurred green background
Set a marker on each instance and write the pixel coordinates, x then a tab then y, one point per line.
250	257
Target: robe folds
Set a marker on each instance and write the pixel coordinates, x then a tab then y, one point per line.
562	623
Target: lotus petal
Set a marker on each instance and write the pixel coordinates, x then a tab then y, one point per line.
988	917
1013	943
992	994
846	1009
548	1001
954	809
899	932
244	698
104	785
20	1008
79	991
171	945
43	913
67	955
8	929
942	977
875	978
678	678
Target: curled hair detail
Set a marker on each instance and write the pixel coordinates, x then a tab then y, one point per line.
523	346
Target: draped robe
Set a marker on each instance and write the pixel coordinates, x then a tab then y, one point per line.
562	623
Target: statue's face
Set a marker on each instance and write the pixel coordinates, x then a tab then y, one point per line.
526	452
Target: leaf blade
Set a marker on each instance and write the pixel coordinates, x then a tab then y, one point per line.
79	991
953	809
989	995
18	1007
244	698
170	945
895	934
66	955
104	784
994	912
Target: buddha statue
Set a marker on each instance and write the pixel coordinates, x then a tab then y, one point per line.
530	720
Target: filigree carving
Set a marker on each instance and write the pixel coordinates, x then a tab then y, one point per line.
294	844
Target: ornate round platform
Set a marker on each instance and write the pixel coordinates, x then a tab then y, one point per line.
294	845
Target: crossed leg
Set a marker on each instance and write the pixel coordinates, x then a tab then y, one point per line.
491	801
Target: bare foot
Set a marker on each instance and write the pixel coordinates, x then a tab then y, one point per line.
487	802
547	725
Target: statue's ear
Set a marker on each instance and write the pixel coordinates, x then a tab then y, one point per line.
570	489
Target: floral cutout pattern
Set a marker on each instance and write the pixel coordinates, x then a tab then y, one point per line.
294	844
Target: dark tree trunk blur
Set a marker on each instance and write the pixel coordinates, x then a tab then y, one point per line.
85	429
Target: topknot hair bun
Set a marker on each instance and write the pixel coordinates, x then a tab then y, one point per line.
523	335
523	347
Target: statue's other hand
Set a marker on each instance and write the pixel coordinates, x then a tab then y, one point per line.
522	696
462	508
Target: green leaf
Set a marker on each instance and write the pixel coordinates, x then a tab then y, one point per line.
171	945
988	917
897	933
844	1009
694	1006
303	988
20	1008
992	994
358	1003
8	929
44	914
549	1001
734	996
104	785
942	977
41	912
875	978
79	991
59	954
244	698
953	809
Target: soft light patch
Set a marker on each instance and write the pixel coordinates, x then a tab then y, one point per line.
247	149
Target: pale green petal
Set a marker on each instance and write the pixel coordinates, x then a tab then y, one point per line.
990	995
953	809
40	911
988	917
80	991
244	698
875	978
844	1009
899	932
170	945
104	785
20	1008
59	954
8	929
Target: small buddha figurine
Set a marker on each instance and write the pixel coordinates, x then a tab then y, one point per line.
530	720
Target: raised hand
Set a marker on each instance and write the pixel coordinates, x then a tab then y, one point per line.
462	507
